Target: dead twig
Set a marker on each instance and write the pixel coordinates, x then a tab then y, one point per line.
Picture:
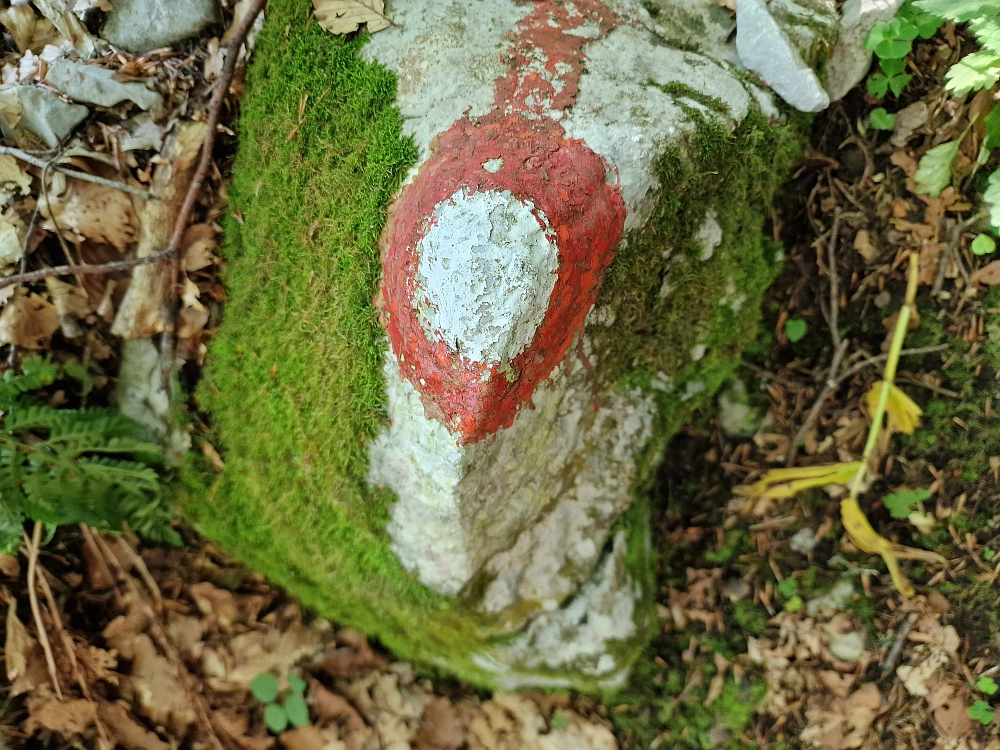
880	358
88	269
32	545
74	173
889	663
817	407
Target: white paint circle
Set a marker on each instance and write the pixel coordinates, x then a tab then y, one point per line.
486	272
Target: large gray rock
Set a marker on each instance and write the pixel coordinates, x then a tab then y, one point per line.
139	26
850	60
46	115
96	85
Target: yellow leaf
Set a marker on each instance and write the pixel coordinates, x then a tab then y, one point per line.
868	540
904	415
345	16
782	483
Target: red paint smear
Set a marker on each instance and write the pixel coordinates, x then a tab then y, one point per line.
562	178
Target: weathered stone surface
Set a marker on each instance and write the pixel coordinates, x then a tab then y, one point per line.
45	114
779	41
570	266
850	60
92	84
139	26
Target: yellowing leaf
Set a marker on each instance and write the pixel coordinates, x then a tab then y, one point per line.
904	415
782	483
868	540
345	16
95	212
28	322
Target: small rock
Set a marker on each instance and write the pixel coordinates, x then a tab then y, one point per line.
736	417
139	26
46	115
95	85
835	599
849	60
804	541
847	646
735	589
766	49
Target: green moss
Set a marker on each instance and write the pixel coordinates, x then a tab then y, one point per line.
294	384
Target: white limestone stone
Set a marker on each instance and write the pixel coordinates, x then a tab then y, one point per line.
765	48
849	61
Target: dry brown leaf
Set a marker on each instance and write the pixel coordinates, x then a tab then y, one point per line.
930	257
28	321
904	161
863	244
234	726
264	651
95	212
13	179
950	711
309	738
199	246
330	706
20	20
345	16
215	601
9	566
158	690
442	727
18	641
128	733
71	303
65	718
988	274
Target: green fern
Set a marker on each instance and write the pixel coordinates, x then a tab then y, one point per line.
63	466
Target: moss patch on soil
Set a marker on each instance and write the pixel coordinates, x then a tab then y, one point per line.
294	385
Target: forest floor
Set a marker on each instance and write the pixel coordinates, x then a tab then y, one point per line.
776	631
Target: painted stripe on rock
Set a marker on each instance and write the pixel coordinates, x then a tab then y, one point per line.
475	362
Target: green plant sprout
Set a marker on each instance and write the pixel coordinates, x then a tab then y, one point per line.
891	42
292	710
980	711
68	466
988	685
983	245
900	504
881	120
796	329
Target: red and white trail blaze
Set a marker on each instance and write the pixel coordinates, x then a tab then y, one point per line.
476	322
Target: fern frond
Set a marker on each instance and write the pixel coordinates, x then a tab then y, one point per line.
11	525
36	373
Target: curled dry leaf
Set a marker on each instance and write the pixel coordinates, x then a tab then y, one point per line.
10	244
128	733
28	321
199	246
988	274
71	303
13	179
865	248
345	16
65	718
158	690
95	212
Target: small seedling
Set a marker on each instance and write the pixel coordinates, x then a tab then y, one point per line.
293	710
901	504
980	711
788	588
988	685
984	245
881	120
558	721
988	554
796	329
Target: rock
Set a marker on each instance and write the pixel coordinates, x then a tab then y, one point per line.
567	271
847	646
140	26
46	115
736	417
95	85
780	52
849	61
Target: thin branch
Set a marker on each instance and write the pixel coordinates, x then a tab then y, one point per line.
880	358
817	407
89	269
834	285
33	544
76	174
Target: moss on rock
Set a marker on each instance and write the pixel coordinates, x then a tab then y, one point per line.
294	384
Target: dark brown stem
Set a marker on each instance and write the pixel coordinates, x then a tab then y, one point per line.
90	269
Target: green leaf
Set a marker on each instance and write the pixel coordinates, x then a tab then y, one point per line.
987	31
893	49
900	504
934	173
992	123
878	85
898	83
11	526
980	711
297	684
78	372
984	245
796	328
881	120
988	685
892	67
878	34
788	587
992	197
276	718
900	28
980	70
558	721
959	10
265	687
988	554
297	710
